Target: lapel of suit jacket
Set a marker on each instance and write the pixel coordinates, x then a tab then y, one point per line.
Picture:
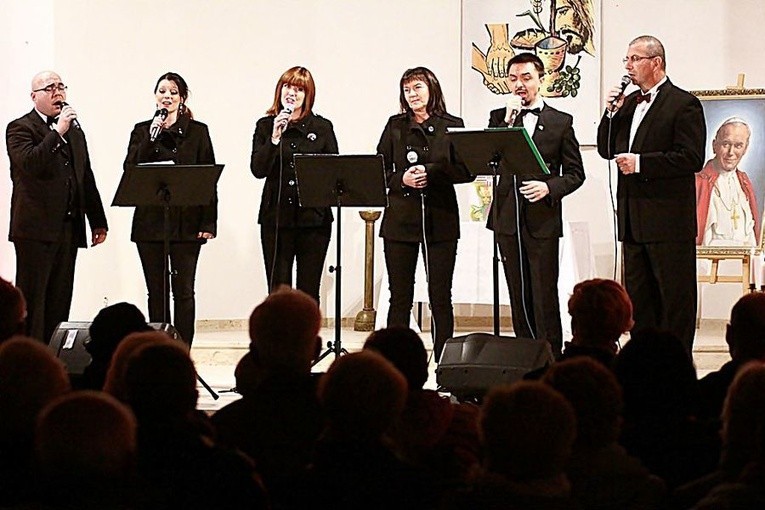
652	114
544	127
38	124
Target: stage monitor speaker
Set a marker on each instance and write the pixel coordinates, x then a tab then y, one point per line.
470	365
70	338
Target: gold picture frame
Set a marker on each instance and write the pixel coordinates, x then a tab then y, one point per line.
720	106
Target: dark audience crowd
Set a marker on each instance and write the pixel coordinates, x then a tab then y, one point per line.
605	427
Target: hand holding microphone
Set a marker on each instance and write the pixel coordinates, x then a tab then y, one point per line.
514	105
615	97
280	123
67	117
157	124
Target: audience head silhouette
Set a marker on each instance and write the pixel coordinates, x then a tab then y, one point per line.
595	395
13	310
86	440
528	430
745	333
362	394
115	375
601	311
161	383
284	331
404	348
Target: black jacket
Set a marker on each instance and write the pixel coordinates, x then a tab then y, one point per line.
312	135
187	142
659	203
401	142
557	144
40	169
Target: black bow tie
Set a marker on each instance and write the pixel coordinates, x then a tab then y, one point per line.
643	97
526	111
52	120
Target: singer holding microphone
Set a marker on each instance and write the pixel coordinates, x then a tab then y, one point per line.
656	137
421	170
528	241
54	190
290	233
172	137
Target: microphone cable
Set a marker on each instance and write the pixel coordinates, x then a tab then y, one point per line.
278	214
614	212
426	261
520	259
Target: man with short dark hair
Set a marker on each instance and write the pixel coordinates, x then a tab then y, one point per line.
529	240
54	190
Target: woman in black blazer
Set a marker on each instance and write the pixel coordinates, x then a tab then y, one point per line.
181	140
290	233
421	171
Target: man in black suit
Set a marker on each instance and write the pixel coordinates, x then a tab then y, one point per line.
53	191
656	136
531	258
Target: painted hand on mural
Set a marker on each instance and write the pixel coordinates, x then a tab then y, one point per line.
494	83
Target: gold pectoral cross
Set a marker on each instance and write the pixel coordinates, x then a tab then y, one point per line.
735	216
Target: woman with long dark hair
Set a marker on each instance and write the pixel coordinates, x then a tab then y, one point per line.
290	233
421	171
172	136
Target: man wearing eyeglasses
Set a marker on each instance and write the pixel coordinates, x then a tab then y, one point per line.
54	190
656	137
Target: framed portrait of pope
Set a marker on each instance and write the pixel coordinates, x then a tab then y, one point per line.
730	188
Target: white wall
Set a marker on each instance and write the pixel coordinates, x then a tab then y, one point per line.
231	53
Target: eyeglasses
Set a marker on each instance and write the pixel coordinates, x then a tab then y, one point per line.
635	58
52	87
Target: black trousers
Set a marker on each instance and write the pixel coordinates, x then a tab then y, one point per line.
531	271
183	266
660	279
305	245
45	274
401	262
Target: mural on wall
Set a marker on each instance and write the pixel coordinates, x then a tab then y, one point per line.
729	188
569	31
563	33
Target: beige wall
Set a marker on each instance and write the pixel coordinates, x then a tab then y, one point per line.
232	51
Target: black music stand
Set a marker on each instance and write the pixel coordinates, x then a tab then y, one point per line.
166	186
326	180
497	151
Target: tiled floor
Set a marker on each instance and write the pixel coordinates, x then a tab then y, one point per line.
217	353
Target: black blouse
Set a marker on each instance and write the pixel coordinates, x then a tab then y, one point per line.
187	142
312	135
405	143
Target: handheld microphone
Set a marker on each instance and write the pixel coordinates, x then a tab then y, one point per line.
514	104
75	122
288	108
626	80
157	129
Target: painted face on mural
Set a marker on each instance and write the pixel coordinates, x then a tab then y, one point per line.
729	146
524	81
574	22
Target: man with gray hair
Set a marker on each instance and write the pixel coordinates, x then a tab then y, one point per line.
726	206
656	137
